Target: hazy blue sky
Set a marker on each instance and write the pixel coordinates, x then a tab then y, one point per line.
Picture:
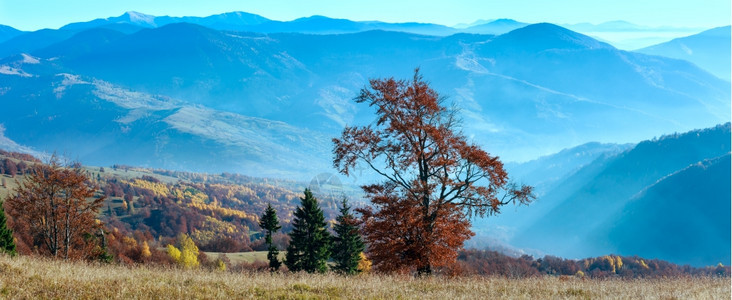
37	14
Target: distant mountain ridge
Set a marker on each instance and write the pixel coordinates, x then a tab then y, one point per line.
545	172
695	234
709	49
496	27
617	26
609	204
219	21
32	41
7	32
242	21
620	33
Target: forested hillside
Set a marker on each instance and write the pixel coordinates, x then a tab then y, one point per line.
146	209
219	211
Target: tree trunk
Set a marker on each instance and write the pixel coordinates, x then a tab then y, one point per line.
424	270
54	230
67	233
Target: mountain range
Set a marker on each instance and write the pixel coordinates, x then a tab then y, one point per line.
665	198
540	84
709	50
7	32
619	32
242	21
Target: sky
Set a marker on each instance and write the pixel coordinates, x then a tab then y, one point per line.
39	14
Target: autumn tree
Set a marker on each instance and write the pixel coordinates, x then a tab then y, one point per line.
186	254
7	244
271	224
309	246
57	206
434	179
364	264
145	250
347	243
11	167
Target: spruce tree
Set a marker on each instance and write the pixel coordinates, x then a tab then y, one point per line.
309	240
348	244
271	224
7	244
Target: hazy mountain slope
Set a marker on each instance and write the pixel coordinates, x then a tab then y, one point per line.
10	145
532	83
529	92
101	123
709	50
611	26
200	65
499	26
545	172
80	43
558	86
7	32
629	36
31	41
684	217
589	198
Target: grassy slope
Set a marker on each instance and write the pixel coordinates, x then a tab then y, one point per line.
34	278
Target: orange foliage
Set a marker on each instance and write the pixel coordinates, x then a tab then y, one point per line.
400	239
433	176
54	209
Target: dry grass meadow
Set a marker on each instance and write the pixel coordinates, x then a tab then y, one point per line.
39	278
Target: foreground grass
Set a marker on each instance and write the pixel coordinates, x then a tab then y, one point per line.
36	278
245	257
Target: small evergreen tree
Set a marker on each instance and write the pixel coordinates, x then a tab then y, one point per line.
271	224
7	244
348	244
309	240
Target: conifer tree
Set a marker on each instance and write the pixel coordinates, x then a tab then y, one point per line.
7	244
347	244
271	224
309	240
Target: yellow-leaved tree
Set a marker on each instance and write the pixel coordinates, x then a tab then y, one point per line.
364	264
174	253
186	254
145	250
220	265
